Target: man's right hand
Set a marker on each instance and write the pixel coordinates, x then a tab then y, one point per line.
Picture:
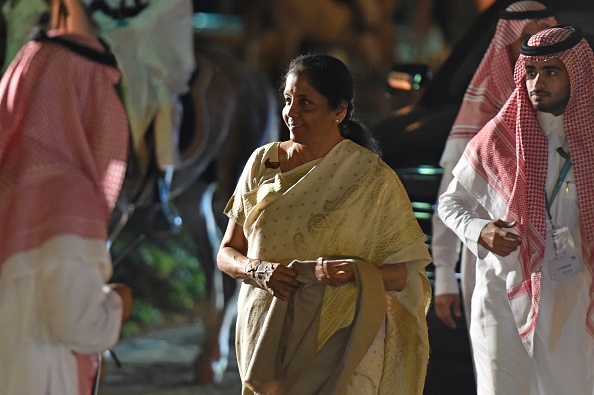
497	240
445	305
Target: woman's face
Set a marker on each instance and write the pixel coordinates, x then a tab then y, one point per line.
307	113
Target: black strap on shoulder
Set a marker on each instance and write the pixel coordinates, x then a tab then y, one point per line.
574	38
105	58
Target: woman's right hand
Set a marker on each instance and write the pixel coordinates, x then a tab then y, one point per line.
277	279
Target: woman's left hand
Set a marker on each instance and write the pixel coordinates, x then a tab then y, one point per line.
334	272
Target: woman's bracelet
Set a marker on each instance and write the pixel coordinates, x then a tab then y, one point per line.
252	266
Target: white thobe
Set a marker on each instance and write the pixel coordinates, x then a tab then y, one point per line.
563	351
447	250
53	302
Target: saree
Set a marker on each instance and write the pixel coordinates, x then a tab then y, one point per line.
348	203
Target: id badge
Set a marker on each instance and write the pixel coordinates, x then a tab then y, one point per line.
566	263
563	267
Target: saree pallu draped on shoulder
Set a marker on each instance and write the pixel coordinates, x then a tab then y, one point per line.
348	203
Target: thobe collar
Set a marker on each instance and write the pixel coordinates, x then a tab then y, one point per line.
552	126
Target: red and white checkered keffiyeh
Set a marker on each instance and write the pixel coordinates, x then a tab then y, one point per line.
492	83
63	147
511	154
87	368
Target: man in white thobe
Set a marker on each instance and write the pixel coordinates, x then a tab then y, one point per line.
531	169
489	89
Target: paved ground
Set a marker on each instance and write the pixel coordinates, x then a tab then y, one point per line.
160	363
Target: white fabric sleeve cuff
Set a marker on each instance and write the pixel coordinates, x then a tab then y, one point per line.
445	280
81	312
473	233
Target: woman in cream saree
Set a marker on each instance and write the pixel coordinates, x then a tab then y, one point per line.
318	242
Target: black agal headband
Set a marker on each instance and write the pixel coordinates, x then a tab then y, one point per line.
571	41
530	14
106	58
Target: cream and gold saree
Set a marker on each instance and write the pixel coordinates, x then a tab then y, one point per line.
348	203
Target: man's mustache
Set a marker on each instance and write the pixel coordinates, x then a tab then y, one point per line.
539	92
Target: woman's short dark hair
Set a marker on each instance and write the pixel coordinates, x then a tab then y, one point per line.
332	79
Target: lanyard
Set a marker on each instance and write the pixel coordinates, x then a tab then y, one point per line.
559	182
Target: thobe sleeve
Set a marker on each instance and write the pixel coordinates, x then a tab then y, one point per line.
81	311
445	245
457	209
